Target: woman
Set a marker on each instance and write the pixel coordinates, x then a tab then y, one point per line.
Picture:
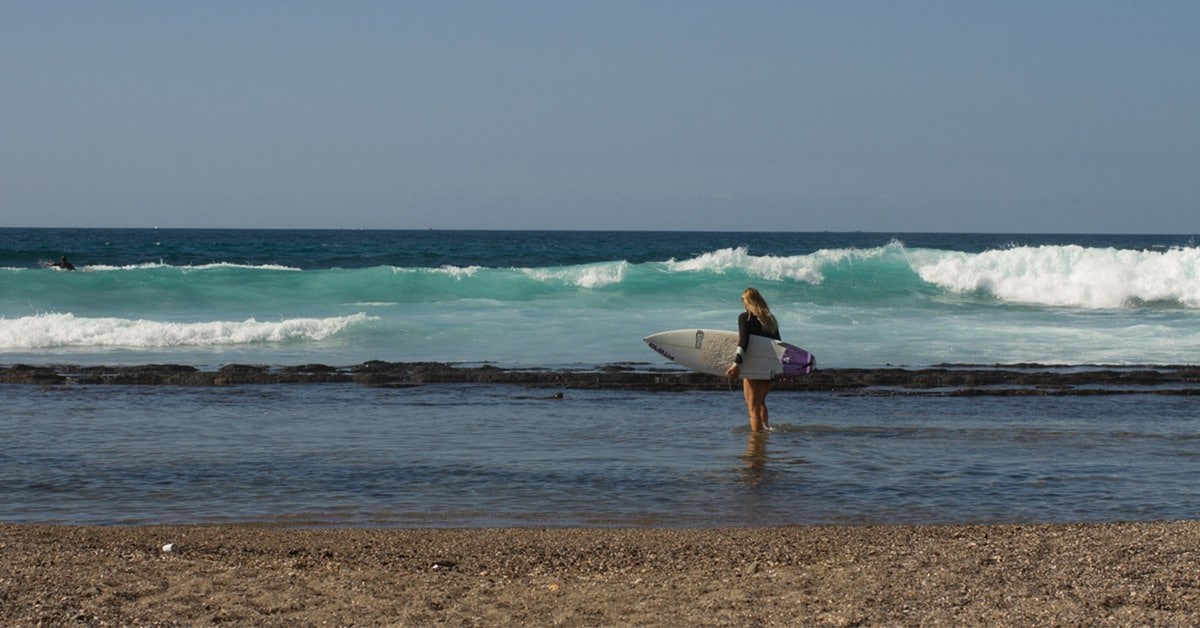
757	320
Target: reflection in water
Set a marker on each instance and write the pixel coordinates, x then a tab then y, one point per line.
755	458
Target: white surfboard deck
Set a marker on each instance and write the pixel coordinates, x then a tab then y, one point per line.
712	351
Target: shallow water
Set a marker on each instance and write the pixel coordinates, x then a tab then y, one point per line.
334	455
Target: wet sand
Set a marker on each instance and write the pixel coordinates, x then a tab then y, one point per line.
1103	574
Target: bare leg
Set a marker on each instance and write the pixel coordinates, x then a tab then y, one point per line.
764	388
755	392
766	423
748	393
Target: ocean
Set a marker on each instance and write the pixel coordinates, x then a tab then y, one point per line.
448	455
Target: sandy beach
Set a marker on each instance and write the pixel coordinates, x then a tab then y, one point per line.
1100	574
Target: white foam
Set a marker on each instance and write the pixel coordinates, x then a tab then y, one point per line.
805	268
717	261
223	265
212	266
1068	276
585	276
46	331
458	272
95	268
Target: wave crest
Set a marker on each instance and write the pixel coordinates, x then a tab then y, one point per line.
809	268
187	268
585	276
1069	276
47	331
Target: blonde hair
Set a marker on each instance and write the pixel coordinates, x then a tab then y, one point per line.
757	305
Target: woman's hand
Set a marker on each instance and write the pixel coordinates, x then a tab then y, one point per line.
733	370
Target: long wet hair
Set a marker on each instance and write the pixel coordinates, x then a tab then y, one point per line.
757	305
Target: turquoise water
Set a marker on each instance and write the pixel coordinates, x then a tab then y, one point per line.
566	298
503	455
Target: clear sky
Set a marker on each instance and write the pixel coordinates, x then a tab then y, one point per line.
890	115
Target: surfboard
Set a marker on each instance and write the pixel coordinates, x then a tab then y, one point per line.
712	351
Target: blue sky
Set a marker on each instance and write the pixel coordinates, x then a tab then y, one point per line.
1006	116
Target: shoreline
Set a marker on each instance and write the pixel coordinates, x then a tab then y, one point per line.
950	380
1110	573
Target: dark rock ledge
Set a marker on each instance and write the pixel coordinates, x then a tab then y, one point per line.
941	381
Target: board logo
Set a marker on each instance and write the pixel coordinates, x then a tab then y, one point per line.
662	351
699	338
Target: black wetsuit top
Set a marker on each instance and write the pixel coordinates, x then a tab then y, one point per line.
749	324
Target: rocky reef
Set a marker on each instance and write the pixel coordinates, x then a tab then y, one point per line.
1024	379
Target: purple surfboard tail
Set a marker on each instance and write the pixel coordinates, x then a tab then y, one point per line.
797	361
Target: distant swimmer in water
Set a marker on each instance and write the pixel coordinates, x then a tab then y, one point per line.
63	264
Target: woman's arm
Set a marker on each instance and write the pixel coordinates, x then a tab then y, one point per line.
743	336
